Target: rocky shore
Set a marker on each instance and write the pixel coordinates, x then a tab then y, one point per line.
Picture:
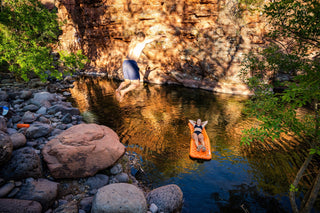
59	163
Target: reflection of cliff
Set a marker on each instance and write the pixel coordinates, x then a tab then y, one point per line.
152	120
205	42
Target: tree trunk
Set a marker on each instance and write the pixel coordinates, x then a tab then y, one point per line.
292	194
313	195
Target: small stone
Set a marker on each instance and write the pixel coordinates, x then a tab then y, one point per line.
116	169
13	192
28	117
26	95
18	140
42	110
153	208
31	108
67	118
122	177
6	189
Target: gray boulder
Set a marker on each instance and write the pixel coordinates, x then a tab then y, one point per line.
119	197
19	206
24	163
167	198
38	130
97	181
41	190
18	140
6	148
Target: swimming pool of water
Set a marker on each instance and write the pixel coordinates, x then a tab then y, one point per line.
152	122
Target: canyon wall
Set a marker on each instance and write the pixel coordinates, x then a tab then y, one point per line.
204	45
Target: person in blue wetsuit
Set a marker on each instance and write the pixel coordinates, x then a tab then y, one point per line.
130	67
197	134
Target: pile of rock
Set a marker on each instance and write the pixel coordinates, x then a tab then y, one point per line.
60	164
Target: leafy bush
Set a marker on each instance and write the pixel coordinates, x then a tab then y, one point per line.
27	32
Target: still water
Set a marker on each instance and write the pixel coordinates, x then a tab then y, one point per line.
152	123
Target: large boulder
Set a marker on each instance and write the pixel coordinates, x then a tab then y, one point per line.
41	190
119	197
24	163
6	148
82	151
20	206
167	198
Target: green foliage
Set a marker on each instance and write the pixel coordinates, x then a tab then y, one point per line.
277	112
27	29
315	151
293	188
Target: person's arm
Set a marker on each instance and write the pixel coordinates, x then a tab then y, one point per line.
149	40
192	122
204	123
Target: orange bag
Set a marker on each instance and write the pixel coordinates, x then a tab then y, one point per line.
23	125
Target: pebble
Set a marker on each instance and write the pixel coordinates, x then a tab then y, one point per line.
6	189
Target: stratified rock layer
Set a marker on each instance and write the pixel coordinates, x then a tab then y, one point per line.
204	45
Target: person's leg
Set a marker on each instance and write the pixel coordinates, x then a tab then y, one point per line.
123	84
134	84
196	141
201	139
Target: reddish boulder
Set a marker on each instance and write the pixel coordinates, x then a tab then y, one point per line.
82	151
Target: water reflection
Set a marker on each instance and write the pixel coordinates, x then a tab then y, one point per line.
152	123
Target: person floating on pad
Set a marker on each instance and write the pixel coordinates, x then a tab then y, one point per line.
197	134
130	67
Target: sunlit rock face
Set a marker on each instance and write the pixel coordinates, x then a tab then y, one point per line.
205	39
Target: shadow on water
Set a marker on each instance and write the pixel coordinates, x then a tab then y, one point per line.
152	123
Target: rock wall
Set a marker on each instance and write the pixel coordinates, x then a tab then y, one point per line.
205	39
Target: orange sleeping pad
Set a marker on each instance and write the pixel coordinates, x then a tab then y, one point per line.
193	149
